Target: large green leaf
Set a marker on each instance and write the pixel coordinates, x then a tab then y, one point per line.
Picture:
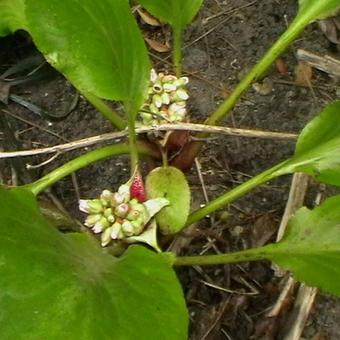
62	286
311	246
170	183
311	10
95	44
178	13
318	147
12	16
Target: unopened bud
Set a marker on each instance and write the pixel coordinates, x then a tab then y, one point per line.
122	210
90	206
115	230
91	220
182	94
133	215
124	190
153	75
102	224
147	117
106	195
157	100
169	78
127	228
138	226
106	237
153	108
168	87
117	199
181	81
165	98
108	213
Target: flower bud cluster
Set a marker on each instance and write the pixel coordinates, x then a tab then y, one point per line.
166	100
115	215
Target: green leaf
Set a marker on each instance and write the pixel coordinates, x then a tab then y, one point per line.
63	286
12	16
177	13
170	183
318	147
316	9
95	44
311	246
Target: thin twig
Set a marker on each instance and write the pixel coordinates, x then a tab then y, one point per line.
167	127
304	301
296	198
36	166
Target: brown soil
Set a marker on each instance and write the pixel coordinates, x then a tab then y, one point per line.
225	302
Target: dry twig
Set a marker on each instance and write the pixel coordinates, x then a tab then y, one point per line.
167	127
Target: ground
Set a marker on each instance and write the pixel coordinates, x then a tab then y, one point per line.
227	38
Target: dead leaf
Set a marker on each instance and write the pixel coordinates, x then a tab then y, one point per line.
281	66
263	230
303	74
158	46
4	91
330	28
264	88
148	18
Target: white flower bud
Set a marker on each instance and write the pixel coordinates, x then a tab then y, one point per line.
182	94
117	199
153	108
176	111
147	117
127	228
115	230
138	226
168	87
153	75
106	237
102	224
165	98
90	206
108	213
91	220
106	195
181	81
169	78
122	210
157	100
124	190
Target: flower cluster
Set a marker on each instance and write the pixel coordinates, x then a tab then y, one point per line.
166	101
118	216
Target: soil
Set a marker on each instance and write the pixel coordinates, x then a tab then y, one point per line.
227	38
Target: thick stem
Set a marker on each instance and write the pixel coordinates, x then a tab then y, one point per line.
208	260
188	154
133	147
177	51
106	110
235	193
81	162
292	32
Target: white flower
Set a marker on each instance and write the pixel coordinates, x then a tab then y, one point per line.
118	217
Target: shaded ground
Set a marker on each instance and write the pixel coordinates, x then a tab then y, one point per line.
225	302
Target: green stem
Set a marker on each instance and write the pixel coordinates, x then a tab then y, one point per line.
133	147
177	51
235	193
82	161
292	32
206	260
106	110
